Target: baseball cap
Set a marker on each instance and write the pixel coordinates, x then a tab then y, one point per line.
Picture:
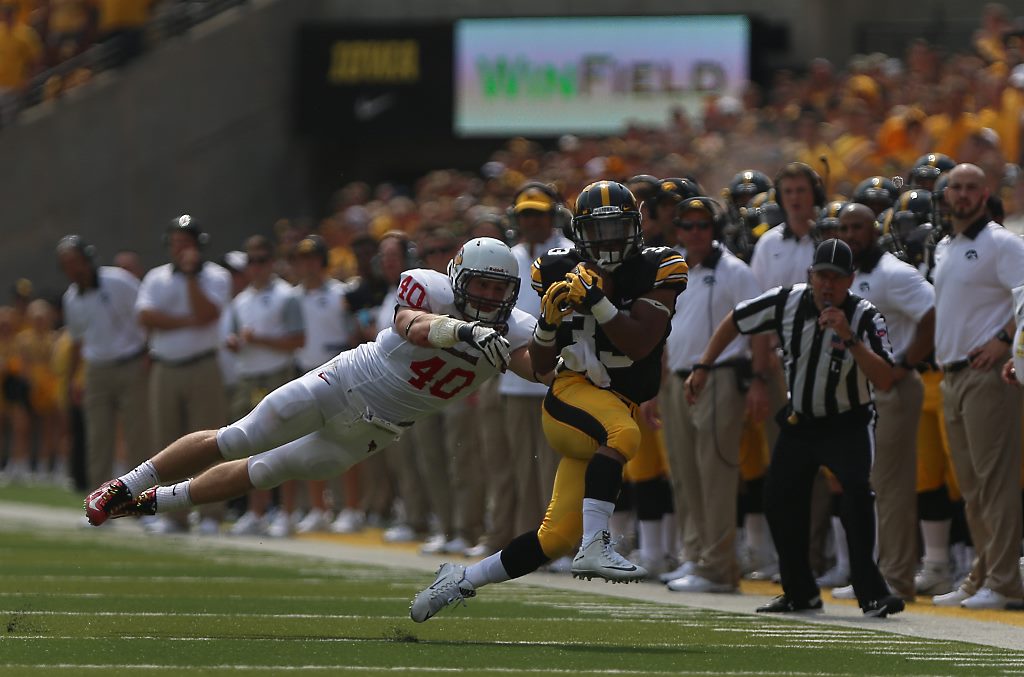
833	255
694	204
311	245
535	199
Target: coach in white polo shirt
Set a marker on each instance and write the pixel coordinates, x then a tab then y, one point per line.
976	269
536	214
907	301
704	437
180	303
782	255
99	307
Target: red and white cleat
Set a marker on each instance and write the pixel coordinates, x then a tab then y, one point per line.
110	501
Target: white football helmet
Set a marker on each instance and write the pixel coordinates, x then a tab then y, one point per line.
490	259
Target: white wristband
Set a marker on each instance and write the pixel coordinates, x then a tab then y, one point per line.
544	337
604	311
444	331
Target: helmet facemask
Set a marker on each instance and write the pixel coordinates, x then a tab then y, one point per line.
608	239
485	309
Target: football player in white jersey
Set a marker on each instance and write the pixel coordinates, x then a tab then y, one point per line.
450	334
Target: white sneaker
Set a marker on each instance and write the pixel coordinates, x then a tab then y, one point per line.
315	520
598	559
767	572
450	587
695	583
950	598
208	527
165	527
835	577
845	592
684	569
349	521
399	533
933	579
434	545
280	526
987	598
562	565
249	524
456	546
479	551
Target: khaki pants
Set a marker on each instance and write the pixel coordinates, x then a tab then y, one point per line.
705	459
534	461
983	418
115	394
401	460
894	478
498	471
672	400
184	399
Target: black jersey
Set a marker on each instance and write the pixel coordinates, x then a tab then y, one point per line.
654	268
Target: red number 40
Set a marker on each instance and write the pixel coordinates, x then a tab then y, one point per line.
412	292
446	386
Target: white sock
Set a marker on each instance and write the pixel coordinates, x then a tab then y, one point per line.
174	497
758	536
670	532
140	479
621	526
842	548
652	543
596	515
935	534
488	570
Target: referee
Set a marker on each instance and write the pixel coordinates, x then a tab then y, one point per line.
836	347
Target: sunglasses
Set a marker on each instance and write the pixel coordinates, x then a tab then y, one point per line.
690	225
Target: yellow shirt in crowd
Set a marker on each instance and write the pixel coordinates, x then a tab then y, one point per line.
117	15
20	51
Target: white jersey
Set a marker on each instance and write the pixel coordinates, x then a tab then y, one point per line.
329	325
402	382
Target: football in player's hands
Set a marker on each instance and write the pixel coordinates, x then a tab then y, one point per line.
588	284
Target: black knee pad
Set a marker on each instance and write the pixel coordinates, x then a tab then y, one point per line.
603	479
627	498
523	555
653	499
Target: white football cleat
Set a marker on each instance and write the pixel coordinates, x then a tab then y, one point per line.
598	559
450	587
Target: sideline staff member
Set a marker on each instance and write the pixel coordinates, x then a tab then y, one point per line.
836	348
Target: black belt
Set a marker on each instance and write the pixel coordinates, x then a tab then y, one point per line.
185	361
954	367
738	363
116	362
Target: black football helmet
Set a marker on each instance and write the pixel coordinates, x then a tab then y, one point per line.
643	186
746	184
187	223
672	191
606	223
912	209
877	192
941	217
928	168
827	225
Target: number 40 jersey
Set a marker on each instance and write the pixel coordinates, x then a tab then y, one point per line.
402	382
582	343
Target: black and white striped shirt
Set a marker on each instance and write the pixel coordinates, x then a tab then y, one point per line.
823	377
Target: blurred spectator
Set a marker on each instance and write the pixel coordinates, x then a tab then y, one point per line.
120	26
36	346
21	52
130	260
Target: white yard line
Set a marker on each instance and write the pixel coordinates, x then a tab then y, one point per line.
908	623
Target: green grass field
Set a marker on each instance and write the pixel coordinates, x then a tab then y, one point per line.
91	602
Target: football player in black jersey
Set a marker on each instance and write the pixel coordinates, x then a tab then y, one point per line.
605	314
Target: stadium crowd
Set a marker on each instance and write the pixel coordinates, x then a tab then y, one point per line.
882	133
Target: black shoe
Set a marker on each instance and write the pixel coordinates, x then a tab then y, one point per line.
783	605
880	608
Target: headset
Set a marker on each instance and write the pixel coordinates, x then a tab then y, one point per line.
188	224
562	216
76	243
719	217
817	187
410	258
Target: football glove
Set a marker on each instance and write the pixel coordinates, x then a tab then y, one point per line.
494	346
585	287
554	306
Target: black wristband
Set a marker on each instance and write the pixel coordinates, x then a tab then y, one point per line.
701	367
1004	337
759	376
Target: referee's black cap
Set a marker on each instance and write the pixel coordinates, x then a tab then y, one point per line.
833	255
